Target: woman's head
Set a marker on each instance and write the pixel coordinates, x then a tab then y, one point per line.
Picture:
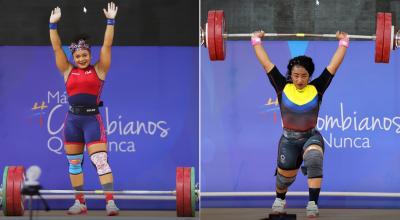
300	70
80	50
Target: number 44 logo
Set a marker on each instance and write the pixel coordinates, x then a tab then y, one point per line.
272	102
41	107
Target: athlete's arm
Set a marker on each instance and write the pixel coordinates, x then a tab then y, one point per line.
103	65
338	57
261	54
63	65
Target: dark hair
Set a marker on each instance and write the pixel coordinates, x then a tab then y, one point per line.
303	61
80	43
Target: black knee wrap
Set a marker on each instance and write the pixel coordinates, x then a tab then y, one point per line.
283	182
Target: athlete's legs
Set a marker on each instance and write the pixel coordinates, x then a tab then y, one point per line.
75	158
74	147
313	167
98	156
95	137
96	144
314	156
289	160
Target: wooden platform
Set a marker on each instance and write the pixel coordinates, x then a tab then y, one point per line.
325	214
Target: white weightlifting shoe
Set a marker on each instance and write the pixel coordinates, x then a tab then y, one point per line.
312	210
77	208
111	208
279	206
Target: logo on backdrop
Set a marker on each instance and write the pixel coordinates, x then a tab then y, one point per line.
349	130
120	131
272	105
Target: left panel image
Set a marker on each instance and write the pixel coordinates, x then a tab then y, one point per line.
99	112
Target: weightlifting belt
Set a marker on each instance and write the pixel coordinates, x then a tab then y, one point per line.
84	110
291	134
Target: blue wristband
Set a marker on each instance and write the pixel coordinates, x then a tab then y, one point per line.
53	26
110	21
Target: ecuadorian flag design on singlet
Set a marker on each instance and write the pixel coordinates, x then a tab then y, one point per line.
299	108
300	100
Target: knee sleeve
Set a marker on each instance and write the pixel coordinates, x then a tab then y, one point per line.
75	163
283	182
313	162
99	159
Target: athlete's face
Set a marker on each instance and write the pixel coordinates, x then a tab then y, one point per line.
300	77
82	58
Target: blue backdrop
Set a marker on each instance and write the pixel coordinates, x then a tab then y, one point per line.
241	123
150	113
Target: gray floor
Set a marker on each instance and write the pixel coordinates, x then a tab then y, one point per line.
325	214
222	214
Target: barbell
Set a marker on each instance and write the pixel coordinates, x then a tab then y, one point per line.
214	34
185	194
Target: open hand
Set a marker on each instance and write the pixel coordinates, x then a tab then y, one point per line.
55	15
112	10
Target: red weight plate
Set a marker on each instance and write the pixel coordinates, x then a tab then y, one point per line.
187	193
18	197
219	34
387	36
179	192
10	190
380	25
210	35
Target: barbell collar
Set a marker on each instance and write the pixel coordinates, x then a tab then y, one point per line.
397	39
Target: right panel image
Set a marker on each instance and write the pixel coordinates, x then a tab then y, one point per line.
299	110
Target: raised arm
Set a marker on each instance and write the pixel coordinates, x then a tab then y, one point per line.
103	65
338	57
260	51
61	59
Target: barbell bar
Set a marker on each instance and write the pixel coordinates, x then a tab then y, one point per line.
366	37
214	35
122	192
301	193
101	197
186	192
